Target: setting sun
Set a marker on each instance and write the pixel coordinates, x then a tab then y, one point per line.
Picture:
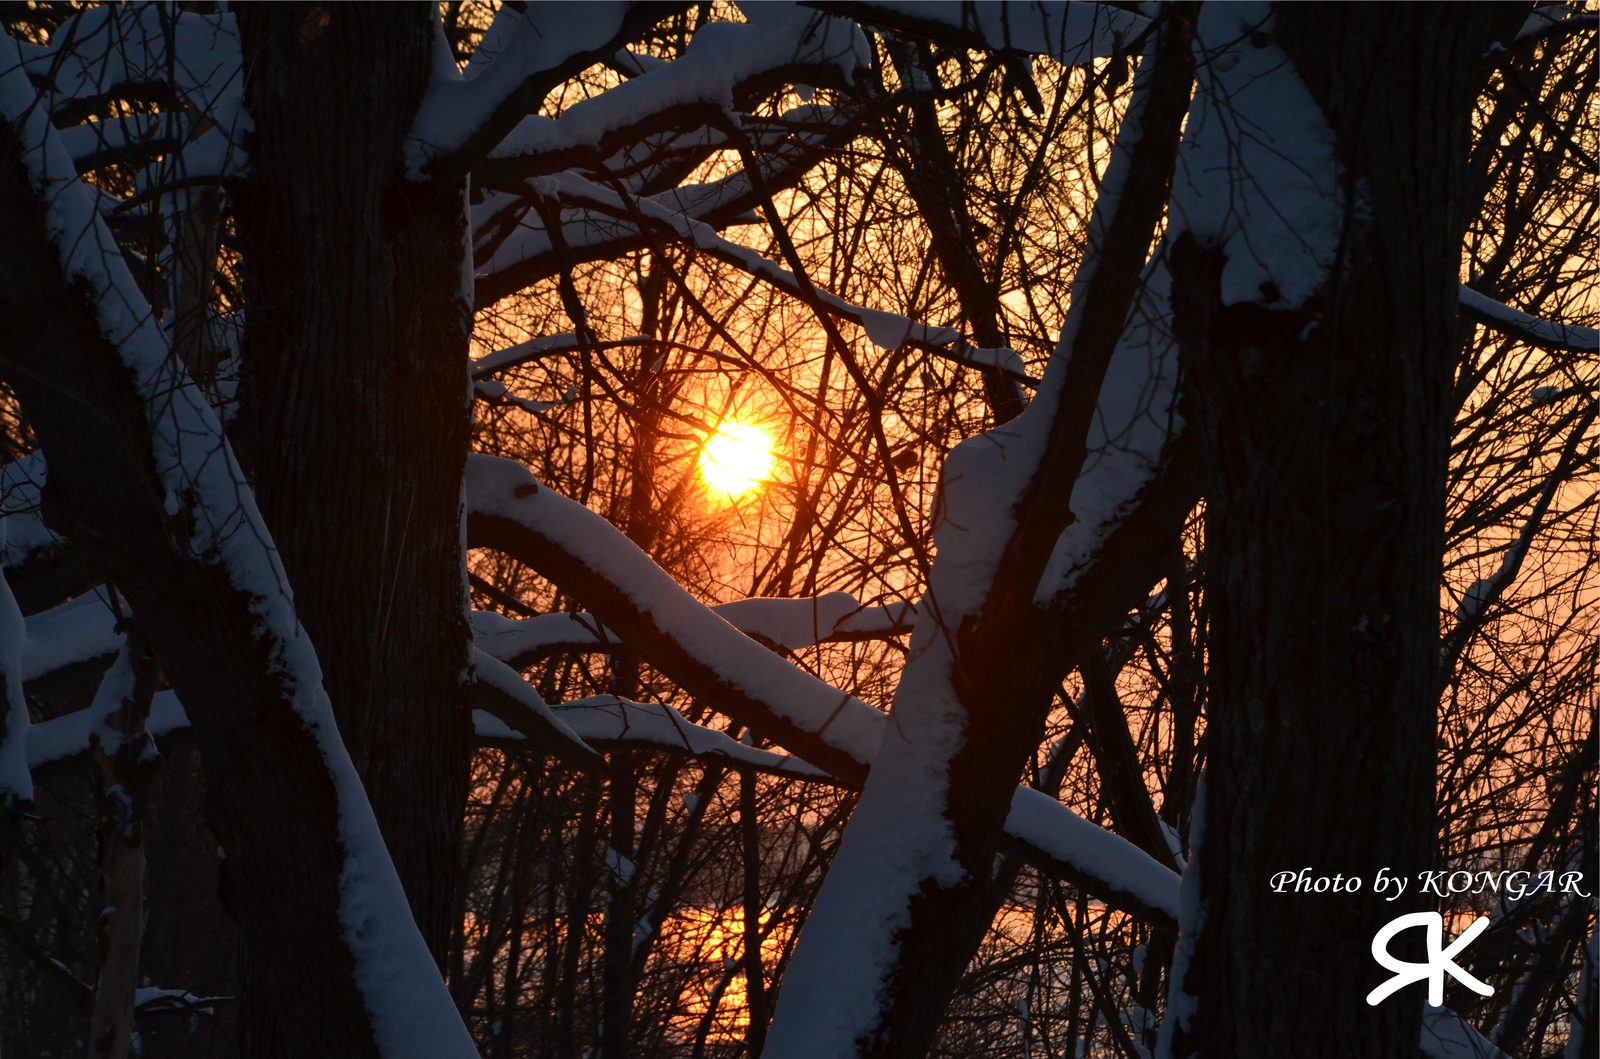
737	458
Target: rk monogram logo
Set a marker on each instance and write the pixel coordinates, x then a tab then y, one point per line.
1438	962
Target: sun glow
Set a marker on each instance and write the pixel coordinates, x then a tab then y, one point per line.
736	459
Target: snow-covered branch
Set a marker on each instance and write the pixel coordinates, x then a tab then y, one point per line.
790	624
604	721
886	330
780	43
919	848
615	723
16	782
1547	334
513	247
1477	601
590	559
1070	31
79	630
190	546
527	52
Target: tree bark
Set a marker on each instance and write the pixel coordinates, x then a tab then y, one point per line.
270	794
1326	433
354	410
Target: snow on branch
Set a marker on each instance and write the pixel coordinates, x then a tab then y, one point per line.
79	630
491	113
501	692
1258	176
616	723
583	553
1547	334
65	738
150	1000
1104	864
218	542
794	624
513	247
511	512
1005	499
125	47
1446	1035
538	349
16	782
1481	595
790	624
187	63
1131	437
21	486
604	721
528	51
1070	31
884	329
779	41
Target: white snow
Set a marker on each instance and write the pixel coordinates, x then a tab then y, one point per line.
25	531
720	56
196	55
495	673
520	44
1073	840
883	327
1257	173
493	485
899	839
1183	1005
603	720
607	719
411	1012
793	623
844	723
1550	332
533	349
63	738
1069	31
887	330
16	782
76	631
149	997
1543	18
1446	1035
121	44
1135	420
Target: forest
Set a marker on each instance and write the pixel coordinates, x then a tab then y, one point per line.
1031	529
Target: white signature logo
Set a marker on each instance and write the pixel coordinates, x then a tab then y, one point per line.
1440	960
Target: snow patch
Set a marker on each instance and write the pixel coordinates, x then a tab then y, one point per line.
1258	176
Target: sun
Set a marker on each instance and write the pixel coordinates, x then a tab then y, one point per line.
736	458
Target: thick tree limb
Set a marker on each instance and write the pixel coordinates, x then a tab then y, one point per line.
588	558
144	482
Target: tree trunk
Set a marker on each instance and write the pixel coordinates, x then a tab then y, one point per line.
269	790
354	409
1326	433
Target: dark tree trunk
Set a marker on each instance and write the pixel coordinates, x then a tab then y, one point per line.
354	411
1326	454
270	793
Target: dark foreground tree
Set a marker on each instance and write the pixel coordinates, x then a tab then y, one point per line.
1327	426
